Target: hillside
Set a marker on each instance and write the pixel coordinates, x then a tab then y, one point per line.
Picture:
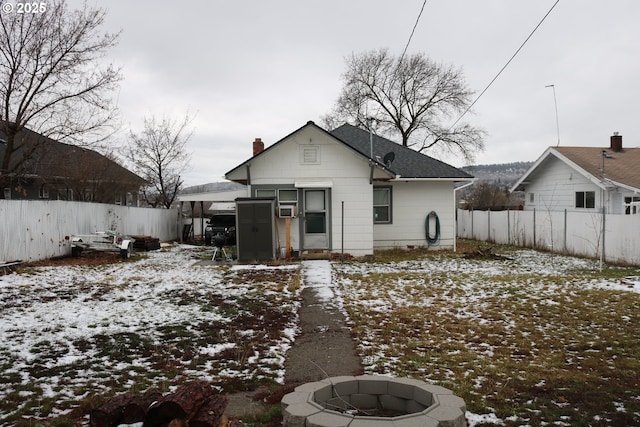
213	187
501	174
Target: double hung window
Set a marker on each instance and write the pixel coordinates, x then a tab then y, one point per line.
382	205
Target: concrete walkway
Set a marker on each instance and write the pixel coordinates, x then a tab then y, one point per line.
324	347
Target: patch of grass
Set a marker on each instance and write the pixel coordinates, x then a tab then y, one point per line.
532	347
270	418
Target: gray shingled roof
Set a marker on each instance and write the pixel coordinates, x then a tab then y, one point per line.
407	163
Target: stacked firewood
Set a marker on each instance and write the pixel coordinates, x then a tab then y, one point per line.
195	404
146	243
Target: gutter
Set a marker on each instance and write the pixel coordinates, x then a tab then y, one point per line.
399	178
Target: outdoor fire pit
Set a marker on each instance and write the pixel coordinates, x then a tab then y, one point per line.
369	400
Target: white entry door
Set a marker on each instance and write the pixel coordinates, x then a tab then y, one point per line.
315	226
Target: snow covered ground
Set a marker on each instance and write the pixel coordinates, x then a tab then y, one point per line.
71	333
531	339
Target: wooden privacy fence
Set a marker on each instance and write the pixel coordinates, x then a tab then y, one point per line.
612	238
31	230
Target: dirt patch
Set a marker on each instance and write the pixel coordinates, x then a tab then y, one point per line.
87	258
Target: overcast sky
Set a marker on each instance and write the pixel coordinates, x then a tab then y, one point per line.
252	68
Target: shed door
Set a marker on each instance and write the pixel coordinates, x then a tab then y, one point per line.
255	231
315	219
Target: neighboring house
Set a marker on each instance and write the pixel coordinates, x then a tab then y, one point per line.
351	191
43	168
584	179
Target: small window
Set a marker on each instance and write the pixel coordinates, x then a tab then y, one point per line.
69	194
288	196
586	199
118	200
532	198
631	205
88	195
382	205
7	193
266	193
44	192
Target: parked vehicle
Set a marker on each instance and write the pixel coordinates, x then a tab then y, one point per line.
221	225
106	241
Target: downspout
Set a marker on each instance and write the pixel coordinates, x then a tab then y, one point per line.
455	211
201	219
180	222
369	123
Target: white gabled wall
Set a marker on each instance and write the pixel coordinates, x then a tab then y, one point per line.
411	203
281	164
554	185
348	174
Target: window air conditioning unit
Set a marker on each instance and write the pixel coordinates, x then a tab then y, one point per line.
286	211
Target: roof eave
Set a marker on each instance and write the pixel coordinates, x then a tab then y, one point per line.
553	152
533	167
399	178
627	187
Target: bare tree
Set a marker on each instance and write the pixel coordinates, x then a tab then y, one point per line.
51	80
411	97
485	195
159	155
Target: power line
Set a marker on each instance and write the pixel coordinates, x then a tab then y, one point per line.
412	31
505	65
405	50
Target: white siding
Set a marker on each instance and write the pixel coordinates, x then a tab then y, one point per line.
357	195
554	185
412	202
281	163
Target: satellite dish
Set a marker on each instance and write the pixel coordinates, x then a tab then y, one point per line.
389	158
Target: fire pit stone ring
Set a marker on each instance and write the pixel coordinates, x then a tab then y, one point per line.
371	400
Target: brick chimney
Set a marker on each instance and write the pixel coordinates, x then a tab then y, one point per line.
258	146
616	142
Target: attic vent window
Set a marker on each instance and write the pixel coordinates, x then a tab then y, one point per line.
310	155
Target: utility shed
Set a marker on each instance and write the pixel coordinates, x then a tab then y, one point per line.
256	231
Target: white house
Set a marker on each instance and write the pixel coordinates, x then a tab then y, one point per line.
584	179
347	190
